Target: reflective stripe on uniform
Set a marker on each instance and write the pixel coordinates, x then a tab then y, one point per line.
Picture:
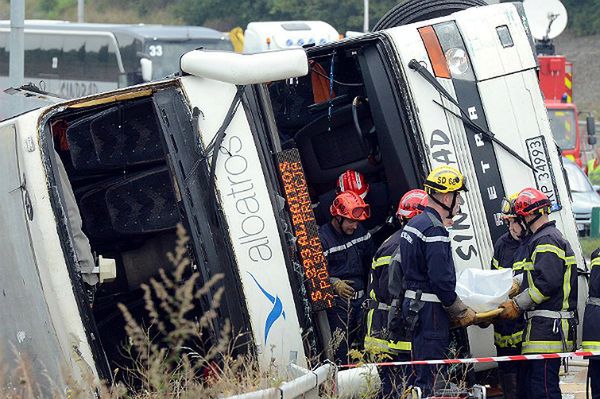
496	264
544	346
506	341
400	345
372	294
591	346
347	245
520	265
369	321
373	344
424	238
595	262
534	292
378	345
382	261
566	287
548	248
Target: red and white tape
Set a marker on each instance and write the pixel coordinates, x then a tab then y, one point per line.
481	359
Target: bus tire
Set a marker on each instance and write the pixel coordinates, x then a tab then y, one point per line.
419	10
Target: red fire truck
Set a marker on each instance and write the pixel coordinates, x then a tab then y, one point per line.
547	19
556	80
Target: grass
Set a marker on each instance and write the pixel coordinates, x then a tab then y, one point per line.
588	245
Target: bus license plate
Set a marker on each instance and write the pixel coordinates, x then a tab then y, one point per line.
544	176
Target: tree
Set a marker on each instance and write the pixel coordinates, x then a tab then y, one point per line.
342	14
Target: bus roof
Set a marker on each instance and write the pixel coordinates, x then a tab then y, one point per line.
142	31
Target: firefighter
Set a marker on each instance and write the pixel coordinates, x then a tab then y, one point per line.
430	305
509	251
593	168
374	194
548	296
378	338
348	248
591	325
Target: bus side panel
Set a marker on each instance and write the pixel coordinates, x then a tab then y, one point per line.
481	29
246	205
66	347
445	143
519	114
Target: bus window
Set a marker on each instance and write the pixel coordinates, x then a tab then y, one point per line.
129	47
100	58
4	49
42	56
165	55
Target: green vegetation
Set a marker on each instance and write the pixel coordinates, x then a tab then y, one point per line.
584	15
588	245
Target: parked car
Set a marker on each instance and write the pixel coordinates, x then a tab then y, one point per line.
584	196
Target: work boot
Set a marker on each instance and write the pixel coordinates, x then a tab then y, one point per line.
509	385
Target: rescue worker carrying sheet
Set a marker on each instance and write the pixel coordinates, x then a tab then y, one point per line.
548	296
591	325
379	339
428	275
509	250
349	251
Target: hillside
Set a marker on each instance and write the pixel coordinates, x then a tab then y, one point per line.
584	51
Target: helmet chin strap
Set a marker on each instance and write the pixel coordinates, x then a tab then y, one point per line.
528	224
524	230
450	208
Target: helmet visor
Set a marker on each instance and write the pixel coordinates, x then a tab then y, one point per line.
506	207
361	212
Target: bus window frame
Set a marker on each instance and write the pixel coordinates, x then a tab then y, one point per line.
93	33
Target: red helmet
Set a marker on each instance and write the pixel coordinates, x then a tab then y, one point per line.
350	206
412	203
531	201
352	180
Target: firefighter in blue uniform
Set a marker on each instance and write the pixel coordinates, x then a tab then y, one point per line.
509	252
379	339
431	306
348	248
548	297
591	325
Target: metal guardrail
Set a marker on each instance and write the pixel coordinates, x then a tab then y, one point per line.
305	386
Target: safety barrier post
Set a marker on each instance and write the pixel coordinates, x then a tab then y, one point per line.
595	224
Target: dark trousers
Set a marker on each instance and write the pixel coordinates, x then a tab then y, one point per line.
345	317
395	379
541	379
431	339
594	372
511	374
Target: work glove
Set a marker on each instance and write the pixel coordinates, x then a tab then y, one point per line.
343	288
510	310
514	289
460	314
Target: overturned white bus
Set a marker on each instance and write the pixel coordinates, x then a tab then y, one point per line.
240	162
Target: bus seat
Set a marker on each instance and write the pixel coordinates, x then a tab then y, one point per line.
119	136
330	146
136	204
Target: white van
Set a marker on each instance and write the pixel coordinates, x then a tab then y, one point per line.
240	163
283	35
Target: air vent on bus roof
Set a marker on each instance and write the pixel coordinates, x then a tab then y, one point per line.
295	26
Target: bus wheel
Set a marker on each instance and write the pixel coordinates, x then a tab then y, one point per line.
419	10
